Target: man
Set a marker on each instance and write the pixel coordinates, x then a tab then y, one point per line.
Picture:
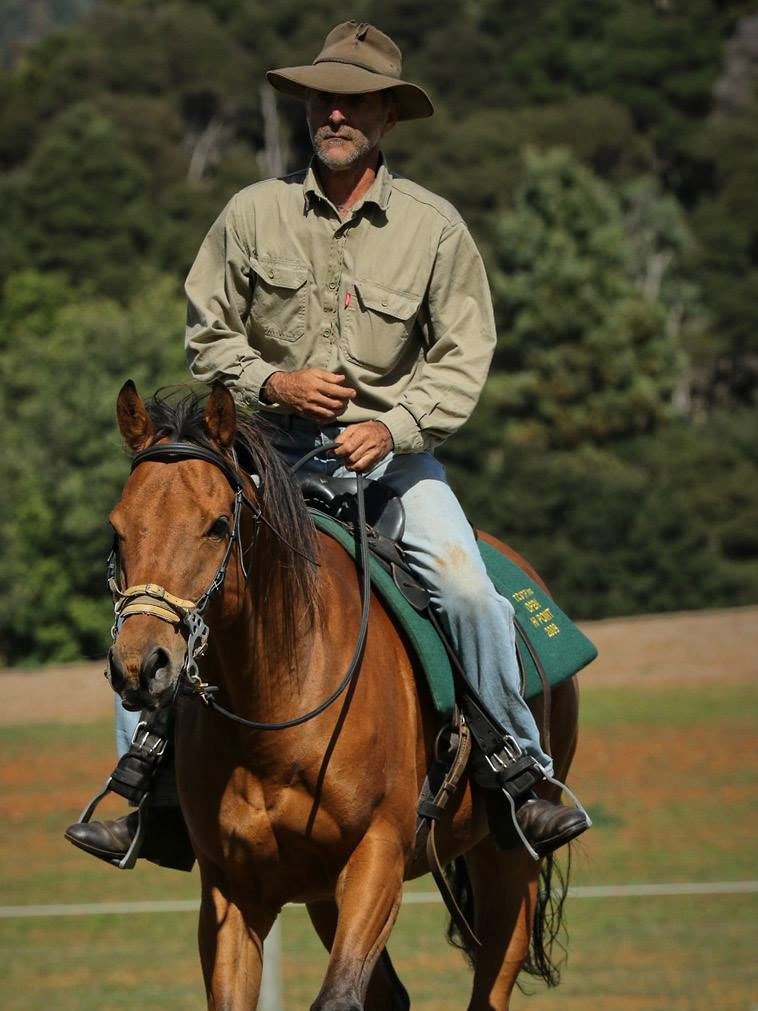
353	306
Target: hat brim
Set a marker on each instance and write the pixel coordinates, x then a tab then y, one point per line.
347	79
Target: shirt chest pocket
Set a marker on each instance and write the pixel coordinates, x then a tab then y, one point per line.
378	325
279	302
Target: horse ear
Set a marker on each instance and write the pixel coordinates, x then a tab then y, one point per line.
221	416
134	423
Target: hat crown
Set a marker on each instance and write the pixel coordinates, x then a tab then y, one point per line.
361	45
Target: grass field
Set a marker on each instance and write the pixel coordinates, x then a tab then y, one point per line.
668	771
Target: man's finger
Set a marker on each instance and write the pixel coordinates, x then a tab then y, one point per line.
362	461
340	392
350	440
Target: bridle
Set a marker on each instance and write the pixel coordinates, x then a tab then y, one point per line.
187	615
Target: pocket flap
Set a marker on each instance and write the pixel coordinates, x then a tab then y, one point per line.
280	274
385	301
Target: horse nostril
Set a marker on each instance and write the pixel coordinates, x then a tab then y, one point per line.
115	672
153	664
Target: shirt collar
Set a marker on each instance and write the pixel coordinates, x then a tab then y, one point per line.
378	193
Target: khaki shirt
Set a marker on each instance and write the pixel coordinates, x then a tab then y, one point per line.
395	298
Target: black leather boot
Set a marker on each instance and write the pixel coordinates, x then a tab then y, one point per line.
108	840
548	826
166	841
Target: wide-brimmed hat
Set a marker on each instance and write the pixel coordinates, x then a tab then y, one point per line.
356	58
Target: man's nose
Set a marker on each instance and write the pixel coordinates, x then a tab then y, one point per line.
337	116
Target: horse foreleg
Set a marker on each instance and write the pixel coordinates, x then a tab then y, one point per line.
385	991
368	899
505	889
230	939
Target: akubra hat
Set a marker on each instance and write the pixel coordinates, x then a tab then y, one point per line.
356	58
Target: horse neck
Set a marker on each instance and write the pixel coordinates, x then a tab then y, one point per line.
271	658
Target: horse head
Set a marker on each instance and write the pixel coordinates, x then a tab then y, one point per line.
178	531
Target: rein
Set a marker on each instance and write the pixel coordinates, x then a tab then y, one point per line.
187	615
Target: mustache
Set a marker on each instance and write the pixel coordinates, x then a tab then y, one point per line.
325	133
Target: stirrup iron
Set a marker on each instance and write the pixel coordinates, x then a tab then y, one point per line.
132	779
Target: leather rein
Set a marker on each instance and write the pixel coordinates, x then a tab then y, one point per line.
187	615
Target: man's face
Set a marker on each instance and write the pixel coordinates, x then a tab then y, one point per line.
345	129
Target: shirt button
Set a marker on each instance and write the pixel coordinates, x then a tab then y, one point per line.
332	284
384	301
327	333
271	273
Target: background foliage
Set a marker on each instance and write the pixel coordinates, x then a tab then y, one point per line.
605	155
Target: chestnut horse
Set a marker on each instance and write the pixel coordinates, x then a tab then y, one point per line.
323	813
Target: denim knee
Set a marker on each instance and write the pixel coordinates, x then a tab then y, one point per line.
470	596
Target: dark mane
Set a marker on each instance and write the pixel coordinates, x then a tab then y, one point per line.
283	581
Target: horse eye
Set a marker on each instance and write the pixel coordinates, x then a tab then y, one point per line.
220	528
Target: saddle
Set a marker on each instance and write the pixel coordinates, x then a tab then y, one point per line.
550	647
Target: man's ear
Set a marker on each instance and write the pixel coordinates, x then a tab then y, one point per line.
134	423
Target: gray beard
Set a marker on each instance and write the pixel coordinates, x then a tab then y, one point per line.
339	165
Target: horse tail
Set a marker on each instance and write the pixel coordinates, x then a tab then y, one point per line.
548	926
459	882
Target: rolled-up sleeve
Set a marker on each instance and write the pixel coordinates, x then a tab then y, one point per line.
219	290
458	350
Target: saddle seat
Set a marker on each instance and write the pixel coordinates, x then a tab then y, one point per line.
336	496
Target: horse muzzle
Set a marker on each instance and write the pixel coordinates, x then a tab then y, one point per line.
144	679
144	668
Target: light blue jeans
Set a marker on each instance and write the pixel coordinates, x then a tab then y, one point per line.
441	548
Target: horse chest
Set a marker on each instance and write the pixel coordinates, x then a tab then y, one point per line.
270	820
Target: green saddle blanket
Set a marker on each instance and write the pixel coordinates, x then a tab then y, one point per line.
562	648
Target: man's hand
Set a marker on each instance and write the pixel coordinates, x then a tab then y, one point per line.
363	445
312	393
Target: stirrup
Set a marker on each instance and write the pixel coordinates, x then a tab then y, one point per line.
515	773
517	780
129	859
132	779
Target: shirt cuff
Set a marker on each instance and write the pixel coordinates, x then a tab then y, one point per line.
251	379
404	430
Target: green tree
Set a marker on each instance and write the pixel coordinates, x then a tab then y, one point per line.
650	524
725	222
582	355
624	268
63	358
79	204
22	22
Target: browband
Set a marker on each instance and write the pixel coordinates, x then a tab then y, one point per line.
169	452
